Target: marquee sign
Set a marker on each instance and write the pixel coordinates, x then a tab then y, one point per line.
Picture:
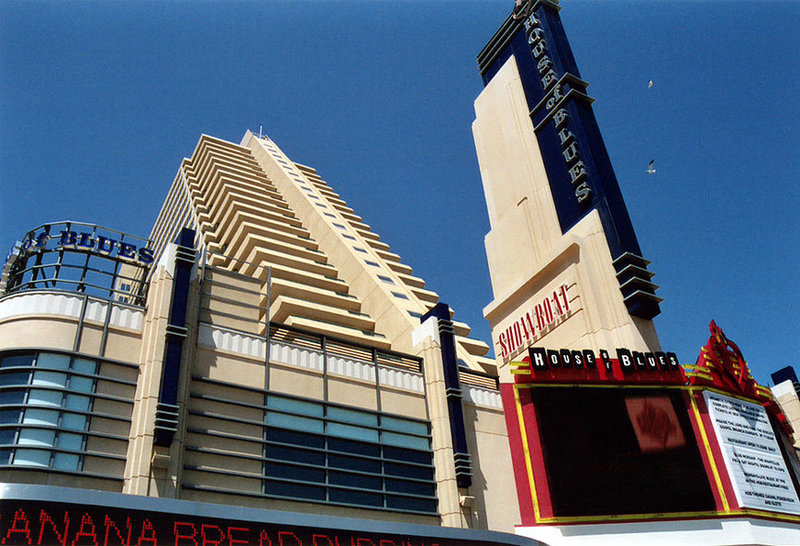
722	365
568	366
665	439
752	456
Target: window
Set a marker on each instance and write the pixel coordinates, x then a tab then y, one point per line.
348	236
44	409
329	453
415	314
343	455
400	295
340	226
386	279
373	264
358	248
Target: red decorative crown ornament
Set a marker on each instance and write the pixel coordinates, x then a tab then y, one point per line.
721	365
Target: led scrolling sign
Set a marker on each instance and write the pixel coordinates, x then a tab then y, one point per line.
50	523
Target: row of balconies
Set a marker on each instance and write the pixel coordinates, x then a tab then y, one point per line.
305	288
322	295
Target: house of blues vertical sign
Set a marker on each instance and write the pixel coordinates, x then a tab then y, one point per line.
578	168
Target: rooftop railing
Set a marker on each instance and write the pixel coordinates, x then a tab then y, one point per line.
80	257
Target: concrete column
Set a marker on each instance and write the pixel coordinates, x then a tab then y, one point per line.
426	341
138	477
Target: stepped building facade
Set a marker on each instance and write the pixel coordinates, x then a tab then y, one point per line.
262	369
261	349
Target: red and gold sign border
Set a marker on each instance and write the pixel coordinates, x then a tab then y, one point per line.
531	478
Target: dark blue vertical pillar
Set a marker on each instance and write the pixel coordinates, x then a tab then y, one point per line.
462	459
166	424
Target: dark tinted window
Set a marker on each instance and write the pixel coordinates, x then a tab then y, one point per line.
14	378
405	503
301	473
284	453
7	435
9	417
359	448
408	471
288	489
410	455
356	497
355	480
354	463
413	488
25	359
297	438
12	397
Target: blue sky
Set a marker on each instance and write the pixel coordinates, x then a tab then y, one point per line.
99	102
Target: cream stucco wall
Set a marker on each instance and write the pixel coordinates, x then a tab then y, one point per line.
529	258
786	397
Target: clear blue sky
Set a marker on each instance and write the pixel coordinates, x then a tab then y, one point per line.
99	102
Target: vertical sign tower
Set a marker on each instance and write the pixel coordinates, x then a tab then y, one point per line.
565	264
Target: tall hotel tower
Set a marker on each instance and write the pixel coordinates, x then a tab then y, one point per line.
262	350
565	263
612	440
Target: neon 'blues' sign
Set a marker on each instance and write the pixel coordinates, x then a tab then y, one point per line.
89	242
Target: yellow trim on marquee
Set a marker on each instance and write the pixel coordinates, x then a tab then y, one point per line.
707	445
537	516
726	508
519	368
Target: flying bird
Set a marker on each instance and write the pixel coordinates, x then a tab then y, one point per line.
650	84
650	169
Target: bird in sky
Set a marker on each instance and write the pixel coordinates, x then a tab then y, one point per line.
650	168
650	84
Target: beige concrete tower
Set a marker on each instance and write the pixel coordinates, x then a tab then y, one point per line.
278	246
254	208
563	259
262	350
